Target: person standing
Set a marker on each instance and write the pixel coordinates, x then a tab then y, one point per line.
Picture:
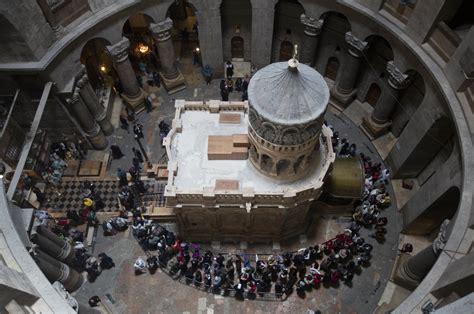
116	152
137	154
229	69
156	79
207	73
138	130
148	104
224	94
124	124
122	175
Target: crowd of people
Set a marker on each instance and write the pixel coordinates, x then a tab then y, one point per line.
327	264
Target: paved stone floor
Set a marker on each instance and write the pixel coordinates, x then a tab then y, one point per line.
123	292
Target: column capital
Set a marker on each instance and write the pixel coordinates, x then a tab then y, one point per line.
119	51
442	238
312	26
356	46
162	30
396	79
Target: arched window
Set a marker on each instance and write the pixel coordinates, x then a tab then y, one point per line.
282	166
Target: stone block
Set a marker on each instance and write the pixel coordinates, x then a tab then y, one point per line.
407	184
221	147
230	118
227	184
240	140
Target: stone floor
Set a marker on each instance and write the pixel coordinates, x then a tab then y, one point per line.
124	292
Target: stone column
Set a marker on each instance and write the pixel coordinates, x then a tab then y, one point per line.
172	78
208	15
54	270
412	270
55	251
92	102
312	29
87	122
344	90
132	93
379	121
263	15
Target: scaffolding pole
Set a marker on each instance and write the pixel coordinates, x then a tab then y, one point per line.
30	136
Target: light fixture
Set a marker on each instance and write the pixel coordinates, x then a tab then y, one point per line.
103	68
197	49
142	48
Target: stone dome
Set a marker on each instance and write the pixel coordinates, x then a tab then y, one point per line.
288	96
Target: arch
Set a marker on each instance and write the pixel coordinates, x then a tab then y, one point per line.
253	153
373	94
237	47
287	27
431	218
290	136
297	164
332	68
335	22
98	63
236	22
137	29
282	166
266	163
268	131
379	47
12	44
185	28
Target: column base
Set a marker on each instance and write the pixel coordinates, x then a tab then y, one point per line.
342	101
400	277
373	129
98	141
136	102
174	85
106	126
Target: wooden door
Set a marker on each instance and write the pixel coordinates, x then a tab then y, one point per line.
237	47
373	94
331	68
286	51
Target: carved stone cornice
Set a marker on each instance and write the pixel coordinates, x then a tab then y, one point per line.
312	26
119	51
442	238
162	31
356	46
396	78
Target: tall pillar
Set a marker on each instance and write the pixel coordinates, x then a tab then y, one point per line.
312	29
263	15
66	254
344	91
412	270
132	93
92	102
54	270
172	78
379	121
87	122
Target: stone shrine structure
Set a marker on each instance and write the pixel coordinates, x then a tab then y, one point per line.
271	196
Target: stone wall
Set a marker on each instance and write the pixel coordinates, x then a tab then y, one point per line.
236	13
